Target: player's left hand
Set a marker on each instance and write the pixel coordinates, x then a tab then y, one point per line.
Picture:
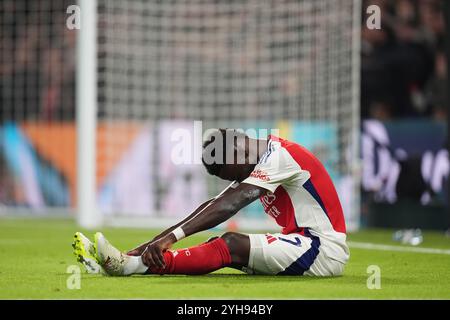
139	250
153	255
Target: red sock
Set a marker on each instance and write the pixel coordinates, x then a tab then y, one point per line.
201	259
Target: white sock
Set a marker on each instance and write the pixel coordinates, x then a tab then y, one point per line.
134	265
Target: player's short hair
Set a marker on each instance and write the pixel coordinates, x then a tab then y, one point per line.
214	167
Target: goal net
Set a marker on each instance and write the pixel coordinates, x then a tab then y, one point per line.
287	65
141	82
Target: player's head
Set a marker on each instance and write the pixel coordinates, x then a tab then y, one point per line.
226	155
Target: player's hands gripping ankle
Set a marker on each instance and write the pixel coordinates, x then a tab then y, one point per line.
153	255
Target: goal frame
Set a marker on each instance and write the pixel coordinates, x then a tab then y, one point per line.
88	213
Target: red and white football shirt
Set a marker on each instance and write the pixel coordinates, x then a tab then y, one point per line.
302	196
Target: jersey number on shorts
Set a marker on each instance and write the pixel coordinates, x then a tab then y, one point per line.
296	243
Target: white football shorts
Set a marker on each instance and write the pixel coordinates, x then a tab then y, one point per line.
292	254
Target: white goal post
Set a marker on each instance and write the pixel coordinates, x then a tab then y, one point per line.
147	68
88	215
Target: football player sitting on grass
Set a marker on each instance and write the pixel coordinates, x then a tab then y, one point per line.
293	187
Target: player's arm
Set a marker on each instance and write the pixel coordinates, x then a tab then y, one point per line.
140	249
217	211
223	208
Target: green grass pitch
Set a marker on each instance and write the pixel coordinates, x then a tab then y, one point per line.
35	255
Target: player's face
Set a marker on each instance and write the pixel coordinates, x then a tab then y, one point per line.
235	172
228	172
240	169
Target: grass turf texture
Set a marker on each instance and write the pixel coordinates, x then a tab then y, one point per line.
35	254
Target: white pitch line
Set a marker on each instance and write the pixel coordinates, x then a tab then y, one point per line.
382	247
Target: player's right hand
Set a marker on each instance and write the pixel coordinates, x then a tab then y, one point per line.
153	256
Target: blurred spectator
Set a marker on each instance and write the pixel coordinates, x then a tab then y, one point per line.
437	88
399	63
36	61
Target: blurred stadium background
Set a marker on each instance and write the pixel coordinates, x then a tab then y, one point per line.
373	104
